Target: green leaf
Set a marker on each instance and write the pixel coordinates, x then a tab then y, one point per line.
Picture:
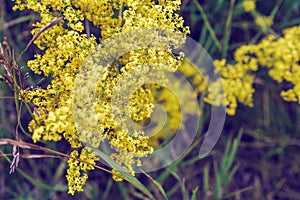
37	183
157	184
125	175
160	188
194	195
218	184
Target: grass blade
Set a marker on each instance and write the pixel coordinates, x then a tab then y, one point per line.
125	175
194	195
158	185
207	24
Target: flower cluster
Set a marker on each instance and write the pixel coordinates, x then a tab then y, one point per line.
249	5
238	77
282	66
177	109
260	20
76	174
66	45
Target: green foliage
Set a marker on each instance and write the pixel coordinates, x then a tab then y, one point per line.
225	172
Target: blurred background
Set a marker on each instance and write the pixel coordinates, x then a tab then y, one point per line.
257	156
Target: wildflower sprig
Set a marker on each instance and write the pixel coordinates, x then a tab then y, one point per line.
280	56
65	47
262	21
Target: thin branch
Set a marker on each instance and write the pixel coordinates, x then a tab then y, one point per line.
26	145
87	28
18	21
6	97
30	156
43	29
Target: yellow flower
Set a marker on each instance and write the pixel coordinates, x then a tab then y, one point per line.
249	5
263	21
76	174
282	66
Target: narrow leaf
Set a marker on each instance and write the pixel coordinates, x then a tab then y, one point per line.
125	175
157	184
194	195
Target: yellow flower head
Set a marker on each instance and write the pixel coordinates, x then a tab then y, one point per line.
249	5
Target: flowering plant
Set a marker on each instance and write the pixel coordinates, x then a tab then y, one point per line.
66	44
102	86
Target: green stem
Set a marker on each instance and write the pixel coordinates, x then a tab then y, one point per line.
228	29
207	24
30	112
20	123
276	8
